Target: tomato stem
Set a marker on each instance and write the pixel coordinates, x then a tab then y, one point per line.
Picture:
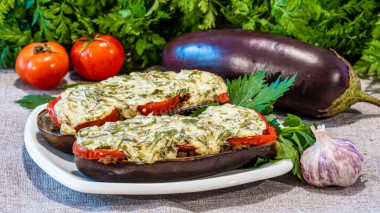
42	48
90	39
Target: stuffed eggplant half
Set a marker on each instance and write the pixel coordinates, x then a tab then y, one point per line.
123	97
172	148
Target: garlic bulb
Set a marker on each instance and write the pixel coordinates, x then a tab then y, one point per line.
331	161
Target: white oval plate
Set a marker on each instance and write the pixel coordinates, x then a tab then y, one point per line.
61	167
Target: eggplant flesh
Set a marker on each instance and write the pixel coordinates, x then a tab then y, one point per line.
322	79
173	169
52	135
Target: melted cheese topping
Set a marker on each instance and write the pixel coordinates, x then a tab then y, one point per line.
240	121
91	102
146	139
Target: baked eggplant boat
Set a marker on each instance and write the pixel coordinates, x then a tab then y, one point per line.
172	148
124	97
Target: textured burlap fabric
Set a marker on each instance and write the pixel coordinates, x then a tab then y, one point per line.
26	188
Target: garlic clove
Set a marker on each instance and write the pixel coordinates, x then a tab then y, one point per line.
331	161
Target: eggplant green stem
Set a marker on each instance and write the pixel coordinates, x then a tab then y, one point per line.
352	95
365	97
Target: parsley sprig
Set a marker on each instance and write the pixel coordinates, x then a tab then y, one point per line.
33	101
252	92
293	138
350	27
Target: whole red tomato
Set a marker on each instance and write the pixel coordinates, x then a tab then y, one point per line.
97	58
42	65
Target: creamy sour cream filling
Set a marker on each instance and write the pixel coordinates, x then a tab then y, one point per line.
201	86
146	139
240	121
91	102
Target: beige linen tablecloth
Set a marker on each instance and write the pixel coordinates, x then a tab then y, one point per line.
27	188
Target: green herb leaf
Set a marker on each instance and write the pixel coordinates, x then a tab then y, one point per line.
294	129
252	93
287	150
293	139
350	27
199	111
33	101
241	90
260	161
272	120
292	121
370	60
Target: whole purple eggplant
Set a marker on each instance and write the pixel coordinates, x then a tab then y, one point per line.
325	84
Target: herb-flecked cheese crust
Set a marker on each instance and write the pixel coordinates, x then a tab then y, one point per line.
147	139
240	121
91	102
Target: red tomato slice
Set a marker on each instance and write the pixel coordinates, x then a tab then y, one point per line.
53	114
269	135
159	108
164	106
97	153
223	98
114	116
185	147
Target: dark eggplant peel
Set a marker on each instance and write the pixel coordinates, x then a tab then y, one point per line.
50	131
326	83
120	98
182	168
172	148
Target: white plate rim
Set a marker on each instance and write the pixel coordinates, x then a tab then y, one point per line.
70	180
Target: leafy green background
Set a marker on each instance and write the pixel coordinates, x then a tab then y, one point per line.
350	27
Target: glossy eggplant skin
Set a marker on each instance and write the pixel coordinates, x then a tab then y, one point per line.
321	76
173	169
